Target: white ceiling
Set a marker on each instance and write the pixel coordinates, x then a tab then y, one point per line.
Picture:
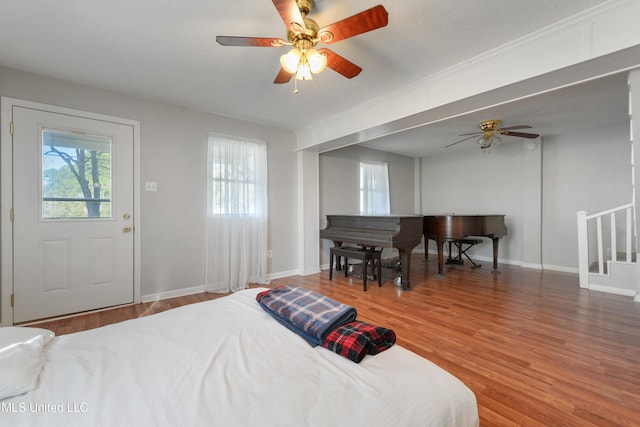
165	50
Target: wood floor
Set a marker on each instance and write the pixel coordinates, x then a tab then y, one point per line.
535	348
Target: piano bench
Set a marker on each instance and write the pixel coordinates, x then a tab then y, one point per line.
367	256
459	243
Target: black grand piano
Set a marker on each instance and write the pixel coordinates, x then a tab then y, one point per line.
450	228
403	232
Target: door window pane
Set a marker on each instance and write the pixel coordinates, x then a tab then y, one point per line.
76	175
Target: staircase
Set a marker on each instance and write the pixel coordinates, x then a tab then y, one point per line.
607	251
607	241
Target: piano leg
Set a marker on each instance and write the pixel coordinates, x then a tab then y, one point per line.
426	248
405	263
440	246
338	258
496	240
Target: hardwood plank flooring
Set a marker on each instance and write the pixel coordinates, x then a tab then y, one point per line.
535	348
95	319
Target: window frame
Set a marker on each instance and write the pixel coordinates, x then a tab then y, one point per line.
378	194
224	177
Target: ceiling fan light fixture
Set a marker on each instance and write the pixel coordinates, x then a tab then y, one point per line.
484	142
491	132
317	61
290	60
304	70
487	141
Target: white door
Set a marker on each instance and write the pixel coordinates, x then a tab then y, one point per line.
73	246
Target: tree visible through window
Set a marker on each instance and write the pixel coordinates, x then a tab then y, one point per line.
76	175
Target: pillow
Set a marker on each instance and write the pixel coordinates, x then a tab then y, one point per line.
21	358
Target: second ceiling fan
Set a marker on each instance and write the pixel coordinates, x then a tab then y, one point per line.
490	132
303	34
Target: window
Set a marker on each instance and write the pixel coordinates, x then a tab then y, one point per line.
76	175
237	225
237	176
374	188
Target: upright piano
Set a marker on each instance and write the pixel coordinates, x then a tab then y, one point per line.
403	232
447	228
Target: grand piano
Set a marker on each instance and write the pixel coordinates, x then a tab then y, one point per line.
451	228
403	232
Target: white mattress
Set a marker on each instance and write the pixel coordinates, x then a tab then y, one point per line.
226	362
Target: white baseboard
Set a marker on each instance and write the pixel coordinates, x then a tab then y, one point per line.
199	289
615	291
282	274
172	294
560	268
532	266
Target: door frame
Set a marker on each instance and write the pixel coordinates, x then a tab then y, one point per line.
6	195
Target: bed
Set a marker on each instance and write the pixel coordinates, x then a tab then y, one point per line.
226	362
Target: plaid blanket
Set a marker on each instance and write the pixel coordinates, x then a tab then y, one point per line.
307	313
356	339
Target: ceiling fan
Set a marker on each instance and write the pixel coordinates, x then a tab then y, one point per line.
490	131
303	34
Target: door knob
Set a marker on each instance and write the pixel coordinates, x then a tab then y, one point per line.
127	229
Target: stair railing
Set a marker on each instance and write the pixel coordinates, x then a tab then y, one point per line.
583	239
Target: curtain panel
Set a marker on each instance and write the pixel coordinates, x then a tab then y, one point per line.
237	221
374	188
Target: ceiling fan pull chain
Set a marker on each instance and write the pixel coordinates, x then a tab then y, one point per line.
295	86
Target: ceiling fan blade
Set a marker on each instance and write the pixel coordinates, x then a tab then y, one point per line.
250	41
516	127
340	65
290	14
283	77
370	19
521	134
458	142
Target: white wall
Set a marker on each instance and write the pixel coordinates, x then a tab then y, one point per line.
340	184
589	170
476	182
173	153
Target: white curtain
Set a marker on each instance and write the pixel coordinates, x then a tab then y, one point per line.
374	188
237	214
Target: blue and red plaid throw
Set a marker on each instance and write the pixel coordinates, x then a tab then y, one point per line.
307	313
356	339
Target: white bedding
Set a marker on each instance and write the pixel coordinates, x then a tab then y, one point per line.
226	362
